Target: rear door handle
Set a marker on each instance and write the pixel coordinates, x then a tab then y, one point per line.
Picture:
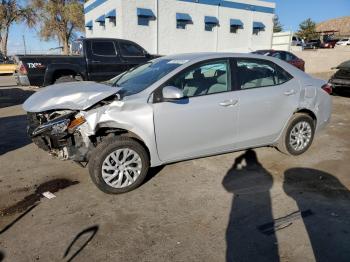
230	102
290	92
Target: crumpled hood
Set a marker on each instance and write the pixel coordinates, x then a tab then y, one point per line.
72	95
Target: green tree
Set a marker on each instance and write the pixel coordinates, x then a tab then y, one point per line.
12	12
307	30
277	26
60	19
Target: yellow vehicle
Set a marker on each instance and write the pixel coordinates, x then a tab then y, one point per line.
7	68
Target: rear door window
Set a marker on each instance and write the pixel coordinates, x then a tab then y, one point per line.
103	48
257	73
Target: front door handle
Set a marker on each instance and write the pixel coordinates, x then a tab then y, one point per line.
290	92
230	102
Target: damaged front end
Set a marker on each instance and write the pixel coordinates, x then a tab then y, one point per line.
57	132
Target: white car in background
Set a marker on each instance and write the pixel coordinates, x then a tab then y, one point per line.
343	42
297	41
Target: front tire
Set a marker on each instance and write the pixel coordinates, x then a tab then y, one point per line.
118	165
298	136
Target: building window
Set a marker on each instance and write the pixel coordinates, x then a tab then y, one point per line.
181	24
209	27
258	27
89	25
235	24
143	20
101	20
210	22
144	16
111	15
182	20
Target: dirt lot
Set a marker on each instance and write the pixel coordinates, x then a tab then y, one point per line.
246	206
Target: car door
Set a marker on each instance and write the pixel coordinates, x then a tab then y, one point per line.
202	123
132	54
268	97
104	62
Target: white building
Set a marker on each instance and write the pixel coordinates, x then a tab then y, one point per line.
182	26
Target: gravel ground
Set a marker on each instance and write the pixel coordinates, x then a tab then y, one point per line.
257	205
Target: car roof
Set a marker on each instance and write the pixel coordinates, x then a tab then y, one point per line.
192	58
209	55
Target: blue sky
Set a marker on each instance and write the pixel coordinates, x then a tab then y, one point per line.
290	12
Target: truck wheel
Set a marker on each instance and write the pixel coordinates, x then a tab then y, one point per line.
298	136
118	165
65	79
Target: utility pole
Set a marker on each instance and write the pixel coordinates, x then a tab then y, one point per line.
24	44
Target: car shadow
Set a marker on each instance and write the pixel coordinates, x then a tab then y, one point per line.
329	227
152	172
13	96
250	184
13	133
2	256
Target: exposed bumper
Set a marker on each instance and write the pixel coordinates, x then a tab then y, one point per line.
337	82
22	80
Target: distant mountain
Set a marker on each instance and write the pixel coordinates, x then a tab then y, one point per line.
341	24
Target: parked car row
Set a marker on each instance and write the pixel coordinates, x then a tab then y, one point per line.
331	43
317	43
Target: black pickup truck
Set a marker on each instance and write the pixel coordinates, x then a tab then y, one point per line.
92	59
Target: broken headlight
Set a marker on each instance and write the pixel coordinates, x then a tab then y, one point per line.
55	127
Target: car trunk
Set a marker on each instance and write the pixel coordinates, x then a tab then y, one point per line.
342	74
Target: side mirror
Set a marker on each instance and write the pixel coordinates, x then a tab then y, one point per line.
171	93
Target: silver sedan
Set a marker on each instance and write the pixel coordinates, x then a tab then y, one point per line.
175	108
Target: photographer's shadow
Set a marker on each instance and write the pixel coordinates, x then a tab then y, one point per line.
251	206
329	200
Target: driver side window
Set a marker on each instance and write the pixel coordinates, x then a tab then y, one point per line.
203	79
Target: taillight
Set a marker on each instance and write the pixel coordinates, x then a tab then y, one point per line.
22	69
328	88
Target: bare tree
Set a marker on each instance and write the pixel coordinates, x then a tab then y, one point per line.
12	12
59	19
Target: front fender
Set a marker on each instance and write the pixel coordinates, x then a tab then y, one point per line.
134	118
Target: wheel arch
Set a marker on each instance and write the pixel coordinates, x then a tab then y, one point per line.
307	112
55	71
103	132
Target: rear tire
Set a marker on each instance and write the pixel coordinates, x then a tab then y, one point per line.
298	136
118	165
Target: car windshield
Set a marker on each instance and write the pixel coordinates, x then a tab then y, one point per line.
139	78
344	40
